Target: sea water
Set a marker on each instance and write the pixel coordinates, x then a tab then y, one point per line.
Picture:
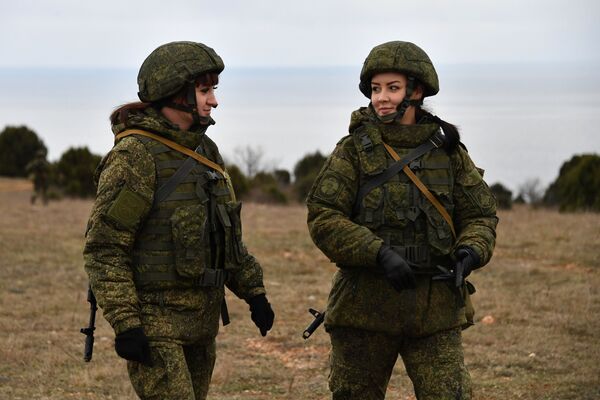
519	122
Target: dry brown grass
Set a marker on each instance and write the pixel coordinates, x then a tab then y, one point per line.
542	291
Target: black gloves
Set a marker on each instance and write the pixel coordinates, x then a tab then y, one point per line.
261	313
396	269
133	345
466	261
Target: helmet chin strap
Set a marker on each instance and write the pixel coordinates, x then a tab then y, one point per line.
403	106
191	107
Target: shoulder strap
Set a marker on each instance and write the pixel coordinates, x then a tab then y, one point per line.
170	185
378	180
174	146
182	149
423	189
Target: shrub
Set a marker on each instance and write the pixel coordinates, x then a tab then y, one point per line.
503	195
239	181
75	171
577	186
305	173
283	176
18	146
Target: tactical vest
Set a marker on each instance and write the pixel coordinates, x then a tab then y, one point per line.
397	211
193	236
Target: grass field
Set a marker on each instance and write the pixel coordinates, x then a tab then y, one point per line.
538	310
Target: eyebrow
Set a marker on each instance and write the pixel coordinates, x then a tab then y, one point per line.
387	83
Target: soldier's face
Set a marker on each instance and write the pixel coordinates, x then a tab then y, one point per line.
205	99
388	90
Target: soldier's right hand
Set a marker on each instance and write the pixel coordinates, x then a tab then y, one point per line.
396	269
133	345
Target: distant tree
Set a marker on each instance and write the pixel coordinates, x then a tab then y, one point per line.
75	171
503	195
250	159
283	176
264	178
238	180
308	164
18	146
577	186
532	191
305	173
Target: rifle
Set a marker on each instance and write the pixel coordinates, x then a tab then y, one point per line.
319	318
89	331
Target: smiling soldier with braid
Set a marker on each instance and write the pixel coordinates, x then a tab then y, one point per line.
404	213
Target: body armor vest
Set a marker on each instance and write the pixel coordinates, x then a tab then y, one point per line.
193	236
397	211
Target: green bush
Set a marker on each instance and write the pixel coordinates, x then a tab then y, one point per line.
273	194
305	173
577	186
18	146
240	183
503	195
263	179
283	176
75	171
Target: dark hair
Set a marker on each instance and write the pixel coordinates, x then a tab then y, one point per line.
121	113
450	131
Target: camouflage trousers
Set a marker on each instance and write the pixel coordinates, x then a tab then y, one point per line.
362	363
178	372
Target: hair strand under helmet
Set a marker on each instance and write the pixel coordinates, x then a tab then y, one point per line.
173	67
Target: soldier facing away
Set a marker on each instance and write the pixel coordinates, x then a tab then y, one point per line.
39	170
165	236
404	238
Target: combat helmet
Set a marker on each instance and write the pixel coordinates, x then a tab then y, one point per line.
403	57
173	67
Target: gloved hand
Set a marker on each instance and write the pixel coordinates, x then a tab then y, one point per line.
396	269
466	261
261	313
133	345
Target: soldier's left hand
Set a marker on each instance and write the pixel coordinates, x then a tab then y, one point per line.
468	260
261	313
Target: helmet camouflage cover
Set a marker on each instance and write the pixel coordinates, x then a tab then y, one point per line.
171	66
397	56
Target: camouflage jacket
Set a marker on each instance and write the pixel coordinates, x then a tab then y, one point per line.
396	213
118	230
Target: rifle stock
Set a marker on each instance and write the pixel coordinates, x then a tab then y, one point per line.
319	318
89	330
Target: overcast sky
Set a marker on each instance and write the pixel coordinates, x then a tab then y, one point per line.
111	33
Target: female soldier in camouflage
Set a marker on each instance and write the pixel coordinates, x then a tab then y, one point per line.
402	259
164	237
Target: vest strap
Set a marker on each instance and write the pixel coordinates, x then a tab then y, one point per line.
182	149
422	188
435	141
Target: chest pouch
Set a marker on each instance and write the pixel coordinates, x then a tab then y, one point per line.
229	218
191	242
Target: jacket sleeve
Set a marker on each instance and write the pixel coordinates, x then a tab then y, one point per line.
124	198
247	281
330	203
474	208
